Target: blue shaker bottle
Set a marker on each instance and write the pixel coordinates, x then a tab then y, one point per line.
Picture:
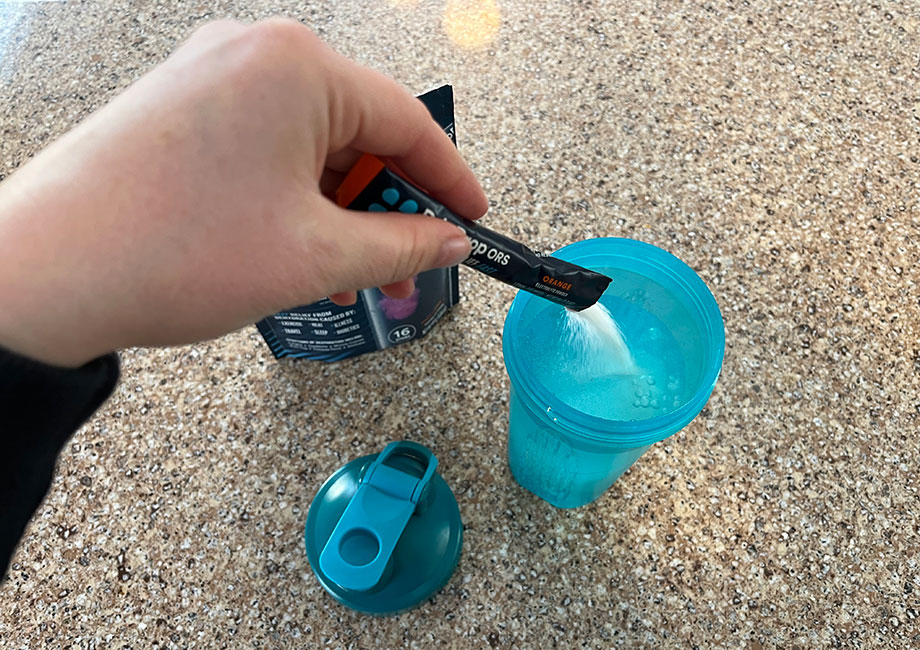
566	455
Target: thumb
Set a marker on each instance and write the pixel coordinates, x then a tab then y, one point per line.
380	248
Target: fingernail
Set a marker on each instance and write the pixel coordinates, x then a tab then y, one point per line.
454	250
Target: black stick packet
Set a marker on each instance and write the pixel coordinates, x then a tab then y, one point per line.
328	332
371	186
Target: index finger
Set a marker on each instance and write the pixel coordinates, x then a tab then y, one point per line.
371	113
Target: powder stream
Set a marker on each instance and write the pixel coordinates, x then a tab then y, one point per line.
600	344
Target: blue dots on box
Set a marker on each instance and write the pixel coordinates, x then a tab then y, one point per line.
390	196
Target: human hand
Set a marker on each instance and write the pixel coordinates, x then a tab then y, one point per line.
197	201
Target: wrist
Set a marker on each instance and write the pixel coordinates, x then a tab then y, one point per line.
45	335
44	349
36	316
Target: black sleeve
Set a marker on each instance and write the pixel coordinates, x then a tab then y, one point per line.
40	408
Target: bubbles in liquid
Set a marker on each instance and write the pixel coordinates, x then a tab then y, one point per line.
636	296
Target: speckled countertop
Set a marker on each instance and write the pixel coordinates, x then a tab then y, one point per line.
775	149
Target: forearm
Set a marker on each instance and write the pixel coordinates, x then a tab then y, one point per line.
46	259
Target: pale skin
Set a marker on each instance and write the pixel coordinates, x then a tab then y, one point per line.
198	201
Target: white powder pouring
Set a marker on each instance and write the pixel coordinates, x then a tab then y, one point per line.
597	343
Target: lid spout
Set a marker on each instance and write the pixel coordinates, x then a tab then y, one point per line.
357	553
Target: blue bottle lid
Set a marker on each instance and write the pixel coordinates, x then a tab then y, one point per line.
384	532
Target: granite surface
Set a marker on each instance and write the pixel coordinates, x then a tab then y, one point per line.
773	146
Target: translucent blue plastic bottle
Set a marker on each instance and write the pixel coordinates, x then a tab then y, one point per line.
571	434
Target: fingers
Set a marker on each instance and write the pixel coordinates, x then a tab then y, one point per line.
212	34
218	29
342	161
344	298
372	113
361	250
329	182
399	290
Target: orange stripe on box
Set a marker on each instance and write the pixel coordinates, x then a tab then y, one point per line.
364	171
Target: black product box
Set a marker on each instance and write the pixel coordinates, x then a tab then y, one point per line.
327	332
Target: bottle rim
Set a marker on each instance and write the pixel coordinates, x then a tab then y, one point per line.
596	429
